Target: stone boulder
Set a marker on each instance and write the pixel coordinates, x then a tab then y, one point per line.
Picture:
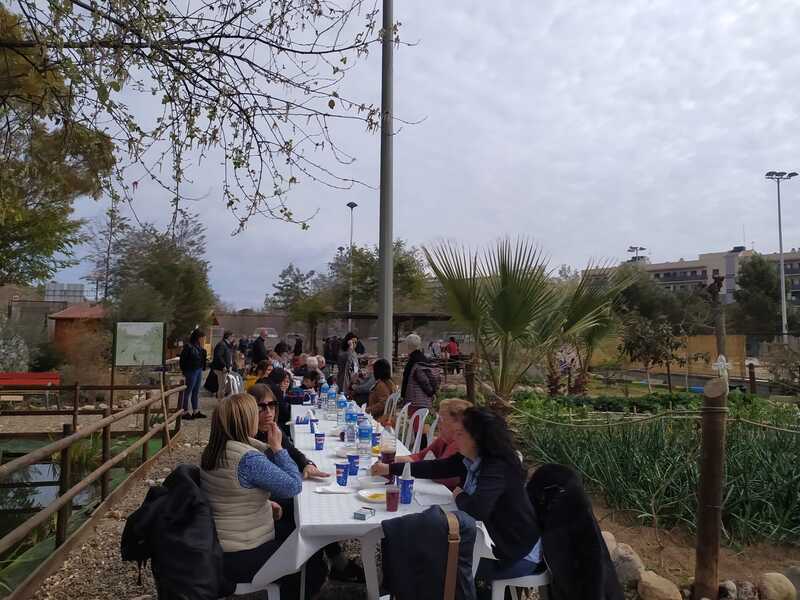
793	574
628	565
610	540
727	591
746	590
654	587
776	586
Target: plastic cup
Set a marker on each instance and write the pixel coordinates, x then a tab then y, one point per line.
319	441
376	439
352	460
342	470
314	425
392	498
406	490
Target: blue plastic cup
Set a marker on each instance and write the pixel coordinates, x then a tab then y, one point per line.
406	490
376	439
319	441
314	424
352	460
342	470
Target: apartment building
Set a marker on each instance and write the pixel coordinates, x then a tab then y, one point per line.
687	274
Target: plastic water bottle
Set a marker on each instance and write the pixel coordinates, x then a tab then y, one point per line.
351	425
365	440
341	407
330	406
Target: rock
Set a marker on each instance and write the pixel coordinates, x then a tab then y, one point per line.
793	574
654	587
727	591
746	590
628	565
776	586
114	514
611	541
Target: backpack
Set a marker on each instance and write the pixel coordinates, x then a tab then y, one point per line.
174	529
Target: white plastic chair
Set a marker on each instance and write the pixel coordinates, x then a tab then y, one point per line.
417	422
528	582
432	430
391	405
273	591
401	423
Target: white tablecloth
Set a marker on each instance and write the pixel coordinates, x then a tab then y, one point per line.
325	518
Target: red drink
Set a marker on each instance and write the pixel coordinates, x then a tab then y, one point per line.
392	498
388	456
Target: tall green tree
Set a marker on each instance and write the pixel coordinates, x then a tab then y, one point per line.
293	285
46	162
757	308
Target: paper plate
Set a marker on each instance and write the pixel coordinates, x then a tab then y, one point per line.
343	451
370	482
373	496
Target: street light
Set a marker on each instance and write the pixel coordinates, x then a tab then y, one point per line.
635	251
777	177
351	206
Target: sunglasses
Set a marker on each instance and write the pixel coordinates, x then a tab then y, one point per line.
265	405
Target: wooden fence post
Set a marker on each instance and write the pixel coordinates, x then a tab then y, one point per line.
75	403
709	507
104	479
64	477
469	379
145	429
751	373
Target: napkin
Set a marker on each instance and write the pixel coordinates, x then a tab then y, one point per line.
333	489
429	493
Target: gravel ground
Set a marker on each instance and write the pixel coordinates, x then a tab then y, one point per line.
95	570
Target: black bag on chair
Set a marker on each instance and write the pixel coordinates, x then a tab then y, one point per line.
211	384
174	529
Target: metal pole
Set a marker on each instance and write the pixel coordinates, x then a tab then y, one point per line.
350	295
386	250
784	325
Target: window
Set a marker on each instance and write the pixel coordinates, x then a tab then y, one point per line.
658	275
694	273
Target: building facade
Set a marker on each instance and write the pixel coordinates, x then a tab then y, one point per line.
700	272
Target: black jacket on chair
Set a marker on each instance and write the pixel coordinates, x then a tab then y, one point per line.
414	556
174	529
572	544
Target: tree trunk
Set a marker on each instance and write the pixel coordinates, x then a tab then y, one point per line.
649	383
669	377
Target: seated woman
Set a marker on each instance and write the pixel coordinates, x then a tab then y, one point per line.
382	388
491	489
279	381
451	412
342	568
262	371
242	485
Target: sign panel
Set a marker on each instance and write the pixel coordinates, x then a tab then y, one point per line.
139	345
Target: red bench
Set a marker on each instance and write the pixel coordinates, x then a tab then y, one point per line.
11	382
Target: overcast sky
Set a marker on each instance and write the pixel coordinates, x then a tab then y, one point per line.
588	126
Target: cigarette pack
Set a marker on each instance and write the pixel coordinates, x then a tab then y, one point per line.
364	513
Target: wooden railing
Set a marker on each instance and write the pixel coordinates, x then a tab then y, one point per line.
62	505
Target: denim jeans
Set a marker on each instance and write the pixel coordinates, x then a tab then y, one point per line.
193	381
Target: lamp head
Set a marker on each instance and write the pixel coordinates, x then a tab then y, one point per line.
351	205
790	175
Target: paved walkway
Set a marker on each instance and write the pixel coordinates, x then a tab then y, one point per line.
95	571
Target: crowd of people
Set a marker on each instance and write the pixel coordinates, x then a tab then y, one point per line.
251	469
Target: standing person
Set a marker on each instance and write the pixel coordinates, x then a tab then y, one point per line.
242	485
347	363
282	348
453	353
380	392
420	379
491	489
192	363
259	351
222	361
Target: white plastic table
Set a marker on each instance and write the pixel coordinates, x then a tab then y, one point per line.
325	518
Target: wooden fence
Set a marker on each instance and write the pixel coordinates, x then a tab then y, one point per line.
61	507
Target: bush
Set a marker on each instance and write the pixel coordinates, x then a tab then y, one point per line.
47	358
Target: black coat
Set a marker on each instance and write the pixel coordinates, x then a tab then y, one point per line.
572	544
174	529
192	357
260	351
223	356
415	555
499	501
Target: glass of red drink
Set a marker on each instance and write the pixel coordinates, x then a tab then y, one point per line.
392	498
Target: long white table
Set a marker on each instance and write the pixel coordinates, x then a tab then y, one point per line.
325	518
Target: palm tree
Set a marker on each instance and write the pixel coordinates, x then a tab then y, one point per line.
505	297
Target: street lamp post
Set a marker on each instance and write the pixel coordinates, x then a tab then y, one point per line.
351	206
635	251
777	177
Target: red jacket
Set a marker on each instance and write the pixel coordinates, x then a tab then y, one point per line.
440	449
